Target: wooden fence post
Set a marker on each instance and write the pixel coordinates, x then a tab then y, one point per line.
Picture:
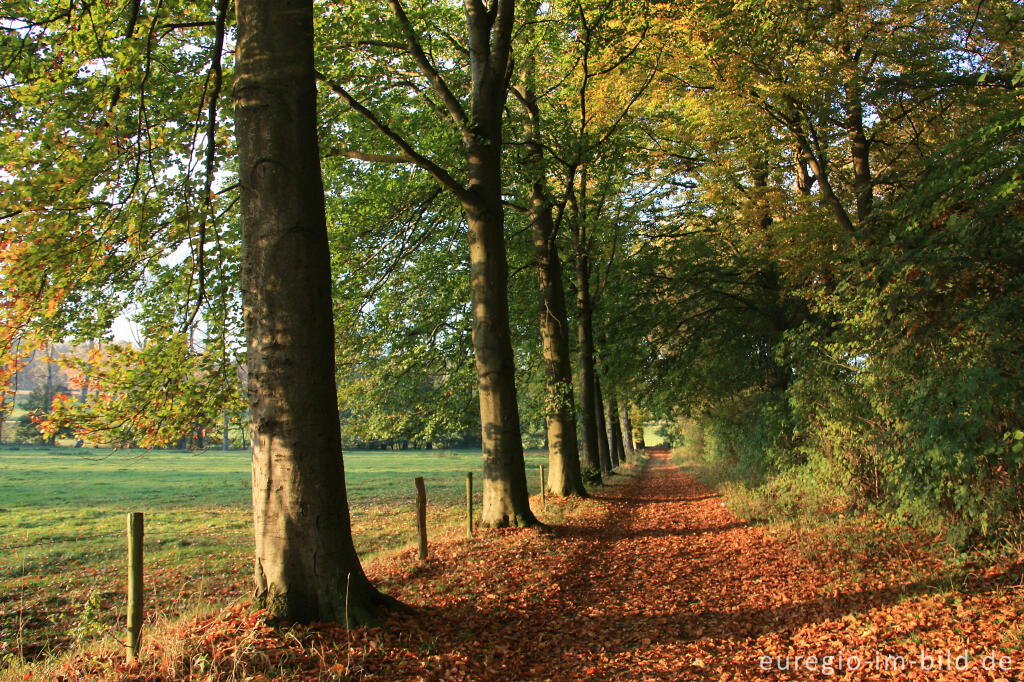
543	488
469	504
134	584
421	515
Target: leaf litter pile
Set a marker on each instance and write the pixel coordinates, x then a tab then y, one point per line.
653	579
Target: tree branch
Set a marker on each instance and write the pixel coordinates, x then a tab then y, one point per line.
216	69
371	158
518	208
167	28
439	174
133	17
502	16
451	102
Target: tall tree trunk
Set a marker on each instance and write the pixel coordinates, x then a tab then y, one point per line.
627	434
588	395
506	500
564	476
48	403
610	421
603	453
803	175
619	456
860	151
489	47
306	568
505	497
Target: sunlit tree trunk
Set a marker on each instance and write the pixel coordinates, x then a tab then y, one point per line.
860	151
610	422
505	497
627	434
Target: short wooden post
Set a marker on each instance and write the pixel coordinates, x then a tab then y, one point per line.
134	584
421	515
469	504
543	488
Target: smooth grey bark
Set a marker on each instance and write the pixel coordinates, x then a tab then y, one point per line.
489	42
564	474
627	434
306	568
505	498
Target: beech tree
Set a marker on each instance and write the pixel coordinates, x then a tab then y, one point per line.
581	80
118	198
306	567
483	70
564	474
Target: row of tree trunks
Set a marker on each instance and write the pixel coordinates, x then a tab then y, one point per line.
602	442
305	565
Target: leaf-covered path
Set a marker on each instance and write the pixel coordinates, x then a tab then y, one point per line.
665	583
653	580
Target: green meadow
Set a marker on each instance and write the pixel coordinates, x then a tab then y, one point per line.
62	529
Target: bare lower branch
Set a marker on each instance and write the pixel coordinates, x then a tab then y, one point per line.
451	102
217	71
372	158
439	174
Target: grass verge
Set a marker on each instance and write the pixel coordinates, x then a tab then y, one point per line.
62	532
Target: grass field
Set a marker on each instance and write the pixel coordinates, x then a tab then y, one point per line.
62	530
